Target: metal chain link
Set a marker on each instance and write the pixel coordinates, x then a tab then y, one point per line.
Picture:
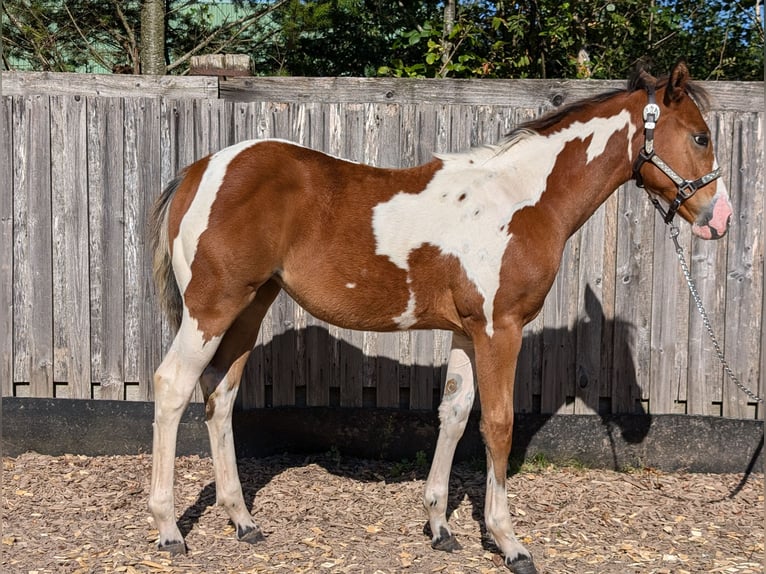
674	231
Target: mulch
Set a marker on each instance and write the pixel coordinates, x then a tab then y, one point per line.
331	514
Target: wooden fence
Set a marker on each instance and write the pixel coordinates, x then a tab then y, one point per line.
83	157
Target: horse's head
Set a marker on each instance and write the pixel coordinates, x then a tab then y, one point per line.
676	162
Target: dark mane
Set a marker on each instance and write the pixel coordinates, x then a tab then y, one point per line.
637	81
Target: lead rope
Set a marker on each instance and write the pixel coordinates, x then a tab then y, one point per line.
674	231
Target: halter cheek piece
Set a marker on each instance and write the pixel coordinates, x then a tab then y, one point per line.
686	188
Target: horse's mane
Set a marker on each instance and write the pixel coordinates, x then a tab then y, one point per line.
637	81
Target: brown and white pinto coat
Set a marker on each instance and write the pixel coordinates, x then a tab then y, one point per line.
469	242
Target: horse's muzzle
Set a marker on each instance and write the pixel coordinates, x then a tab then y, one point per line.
713	223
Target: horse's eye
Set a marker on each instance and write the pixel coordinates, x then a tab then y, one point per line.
701	140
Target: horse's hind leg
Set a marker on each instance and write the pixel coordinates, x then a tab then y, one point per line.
220	383
174	383
459	392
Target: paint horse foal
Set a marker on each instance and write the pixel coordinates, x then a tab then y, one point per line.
469	242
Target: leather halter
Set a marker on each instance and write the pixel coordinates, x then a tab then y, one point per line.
686	188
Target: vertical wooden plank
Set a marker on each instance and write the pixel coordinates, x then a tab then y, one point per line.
143	334
243	120
278	121
283	351
426	121
32	249
761	387
463	132
529	370
168	172
708	269
611	321
559	334
635	235
71	281
590	324
383	145
670	323
105	205
528	384
744	285
6	248
313	344
347	140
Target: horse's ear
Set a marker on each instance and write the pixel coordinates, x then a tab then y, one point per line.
679	76
640	77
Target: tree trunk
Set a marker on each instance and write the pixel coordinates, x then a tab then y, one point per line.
449	22
153	37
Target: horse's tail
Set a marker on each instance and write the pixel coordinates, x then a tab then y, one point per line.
164	278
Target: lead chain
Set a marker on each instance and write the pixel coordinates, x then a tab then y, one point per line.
705	321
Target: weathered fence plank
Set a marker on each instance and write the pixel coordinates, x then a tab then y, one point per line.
729	96
635	241
6	248
32	251
142	184
618	332
71	281
107	251
105	85
669	323
744	283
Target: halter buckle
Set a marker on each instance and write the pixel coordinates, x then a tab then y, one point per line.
651	110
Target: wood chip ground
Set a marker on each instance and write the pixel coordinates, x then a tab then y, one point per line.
328	514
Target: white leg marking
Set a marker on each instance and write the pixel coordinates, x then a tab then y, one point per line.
466	208
498	518
459	393
173	385
227	484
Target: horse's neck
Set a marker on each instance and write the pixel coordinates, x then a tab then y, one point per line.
595	156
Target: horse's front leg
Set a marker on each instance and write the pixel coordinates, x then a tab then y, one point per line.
496	367
457	400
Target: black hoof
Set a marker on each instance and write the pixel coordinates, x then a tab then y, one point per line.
175	547
521	565
251	534
446	542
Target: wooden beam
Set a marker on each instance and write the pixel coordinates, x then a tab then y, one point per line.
108	85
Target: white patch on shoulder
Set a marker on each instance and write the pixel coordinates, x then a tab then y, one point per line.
466	208
195	219
350	285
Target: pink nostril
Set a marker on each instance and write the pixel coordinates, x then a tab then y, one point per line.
721	217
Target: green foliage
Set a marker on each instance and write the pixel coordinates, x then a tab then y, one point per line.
489	38
105	35
342	37
589	38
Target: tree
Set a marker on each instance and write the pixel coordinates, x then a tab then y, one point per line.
588	38
116	35
341	37
433	38
153	37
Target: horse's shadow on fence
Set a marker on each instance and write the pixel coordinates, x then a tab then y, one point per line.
326	444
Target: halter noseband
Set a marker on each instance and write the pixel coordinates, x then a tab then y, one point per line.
686	188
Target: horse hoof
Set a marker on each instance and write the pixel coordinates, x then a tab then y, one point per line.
251	535
521	565
175	547
446	542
